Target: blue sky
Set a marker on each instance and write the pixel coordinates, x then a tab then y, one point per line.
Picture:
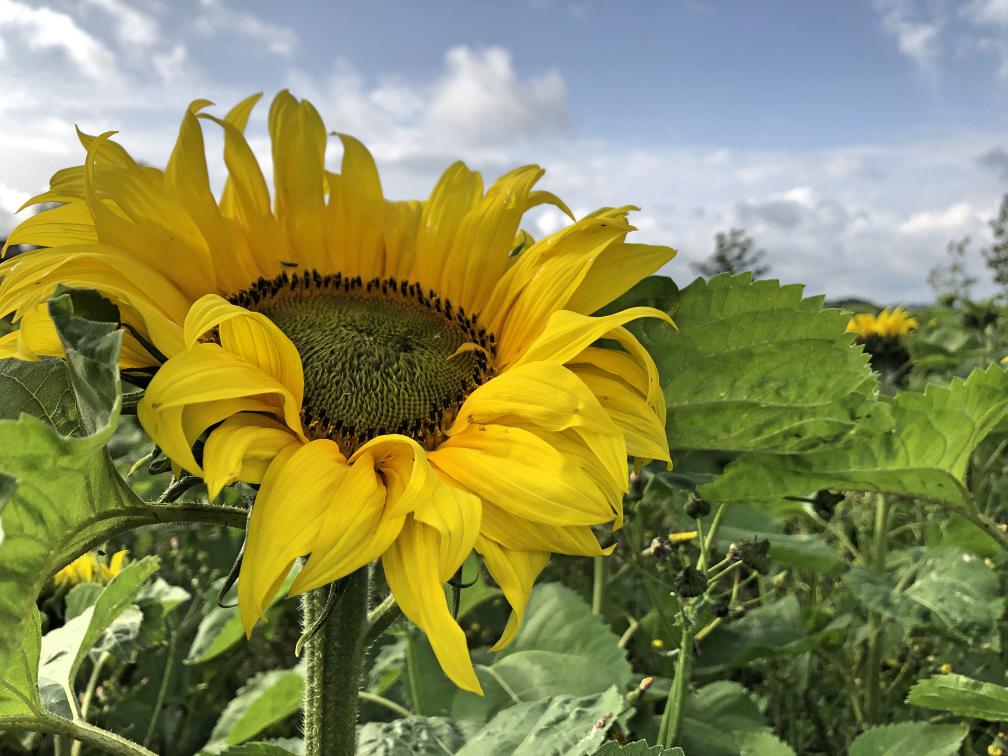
853	140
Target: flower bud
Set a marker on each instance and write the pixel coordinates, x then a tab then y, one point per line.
696	507
690	582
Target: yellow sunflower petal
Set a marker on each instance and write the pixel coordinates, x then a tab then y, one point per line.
616	270
455	515
249	335
540	394
242	448
411	569
357	211
352	532
299	142
515	572
292	502
519	534
206	374
404	466
66	224
521	472
451	199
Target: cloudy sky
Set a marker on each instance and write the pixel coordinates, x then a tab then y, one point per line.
852	140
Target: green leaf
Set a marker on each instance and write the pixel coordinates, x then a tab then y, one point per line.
19	696
909	737
276	747
924	456
80	597
637	748
948	590
718	718
417	736
962	594
753	366
219	630
877	593
62	495
65	648
562	648
41	389
774	629
430	689
562	725
743	522
267	698
962	696
762	744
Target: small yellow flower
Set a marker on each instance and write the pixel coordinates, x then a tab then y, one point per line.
888	324
657	644
994	750
683	537
89	568
945	669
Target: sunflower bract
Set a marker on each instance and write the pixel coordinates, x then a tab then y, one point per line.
399	384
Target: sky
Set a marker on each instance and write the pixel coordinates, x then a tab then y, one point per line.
852	140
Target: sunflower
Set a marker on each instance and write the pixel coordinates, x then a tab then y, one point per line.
90	568
888	324
403	380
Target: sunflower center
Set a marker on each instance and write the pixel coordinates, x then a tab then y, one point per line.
379	356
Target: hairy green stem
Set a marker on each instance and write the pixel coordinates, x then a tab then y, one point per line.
380	618
103	740
335	656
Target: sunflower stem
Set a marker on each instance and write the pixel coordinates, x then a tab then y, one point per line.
334	659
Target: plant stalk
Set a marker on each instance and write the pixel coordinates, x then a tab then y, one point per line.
671	719
334	661
873	659
599	579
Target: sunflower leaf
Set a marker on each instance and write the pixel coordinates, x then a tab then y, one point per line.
62	494
65	648
755	367
925	455
562	648
961	696
909	737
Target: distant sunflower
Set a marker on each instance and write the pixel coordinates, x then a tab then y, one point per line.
888	324
90	568
406	381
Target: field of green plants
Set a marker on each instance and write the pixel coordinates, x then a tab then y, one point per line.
821	571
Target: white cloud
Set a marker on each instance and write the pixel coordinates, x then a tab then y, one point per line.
216	18
915	27
988	12
133	27
43	28
481	99
954	218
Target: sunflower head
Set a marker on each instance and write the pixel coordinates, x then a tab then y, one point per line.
407	381
90	568
888	324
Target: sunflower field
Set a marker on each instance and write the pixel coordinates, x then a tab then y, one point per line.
304	470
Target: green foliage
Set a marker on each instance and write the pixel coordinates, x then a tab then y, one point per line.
561	648
962	696
65	648
733	253
637	748
909	737
925	455
753	366
267	698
